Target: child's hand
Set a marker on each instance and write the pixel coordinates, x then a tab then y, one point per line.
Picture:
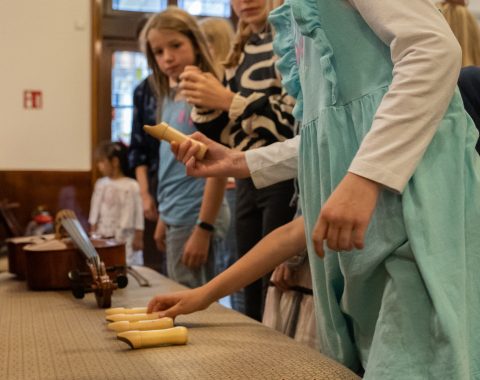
204	90
137	243
218	162
186	302
344	218
149	208
195	252
283	277
192	69
159	235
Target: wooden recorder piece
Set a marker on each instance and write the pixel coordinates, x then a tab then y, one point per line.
131	317
165	132
124	310
154	324
152	338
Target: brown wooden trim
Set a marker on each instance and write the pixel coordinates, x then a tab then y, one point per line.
96	48
53	189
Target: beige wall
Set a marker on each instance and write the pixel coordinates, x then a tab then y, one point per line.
45	46
474	6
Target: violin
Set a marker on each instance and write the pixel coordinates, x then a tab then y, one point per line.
77	263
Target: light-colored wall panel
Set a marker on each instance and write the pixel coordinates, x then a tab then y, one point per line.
474	6
45	46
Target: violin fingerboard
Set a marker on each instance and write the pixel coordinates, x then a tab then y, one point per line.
79	236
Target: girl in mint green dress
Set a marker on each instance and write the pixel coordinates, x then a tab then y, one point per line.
390	185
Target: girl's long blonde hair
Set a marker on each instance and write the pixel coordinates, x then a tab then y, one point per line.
219	34
465	28
244	31
241	37
178	20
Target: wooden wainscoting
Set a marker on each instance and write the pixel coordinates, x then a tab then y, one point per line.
54	189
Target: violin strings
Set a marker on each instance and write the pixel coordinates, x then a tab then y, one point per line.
78	235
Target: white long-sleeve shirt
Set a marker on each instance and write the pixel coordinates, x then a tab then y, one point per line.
116	211
116	207
427	61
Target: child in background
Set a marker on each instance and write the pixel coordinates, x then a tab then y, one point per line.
188	207
116	209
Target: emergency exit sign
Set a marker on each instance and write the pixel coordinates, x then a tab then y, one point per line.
32	99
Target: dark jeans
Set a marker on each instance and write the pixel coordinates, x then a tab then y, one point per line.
152	257
260	211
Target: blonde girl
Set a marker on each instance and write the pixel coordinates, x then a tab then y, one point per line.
188	227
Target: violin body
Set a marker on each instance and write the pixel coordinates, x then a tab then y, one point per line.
16	258
16	254
48	267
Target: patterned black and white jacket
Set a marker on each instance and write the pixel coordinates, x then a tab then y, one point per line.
261	110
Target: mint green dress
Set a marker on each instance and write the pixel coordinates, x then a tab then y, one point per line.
407	306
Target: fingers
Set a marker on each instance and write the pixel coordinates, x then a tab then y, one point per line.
137	246
174	146
190	76
318	236
159	303
338	236
170	313
210	76
192	95
192	68
289	277
191	261
333	232
187	260
193	98
151	305
201	137
359	235
185	150
151	213
160	244
283	278
277	277
189	150
344	242
188	86
165	306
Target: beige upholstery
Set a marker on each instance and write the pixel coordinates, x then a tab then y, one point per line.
51	335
